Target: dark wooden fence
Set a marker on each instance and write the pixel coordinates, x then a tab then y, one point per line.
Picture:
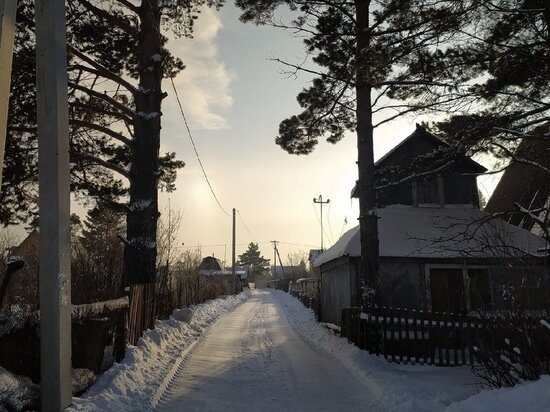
443	339
308	301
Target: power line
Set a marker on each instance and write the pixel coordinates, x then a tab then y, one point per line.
246	227
319	220
195	147
343	226
329	225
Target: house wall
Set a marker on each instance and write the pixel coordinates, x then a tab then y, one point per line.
402	283
338	284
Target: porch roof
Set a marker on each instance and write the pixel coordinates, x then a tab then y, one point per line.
451	232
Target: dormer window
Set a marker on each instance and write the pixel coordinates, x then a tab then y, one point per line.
428	192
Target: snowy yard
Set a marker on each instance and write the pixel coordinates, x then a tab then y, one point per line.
264	351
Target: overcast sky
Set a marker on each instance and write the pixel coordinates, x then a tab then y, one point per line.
234	98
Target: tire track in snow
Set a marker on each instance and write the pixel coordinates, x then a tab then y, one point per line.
170	382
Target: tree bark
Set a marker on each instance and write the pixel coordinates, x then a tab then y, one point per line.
140	252
368	219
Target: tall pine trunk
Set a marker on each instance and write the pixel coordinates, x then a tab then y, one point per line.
140	252
368	219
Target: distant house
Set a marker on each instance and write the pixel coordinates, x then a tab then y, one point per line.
526	185
23	286
210	265
438	251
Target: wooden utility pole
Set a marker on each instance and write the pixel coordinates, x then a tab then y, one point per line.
7	36
368	219
53	150
275	261
320	201
233	263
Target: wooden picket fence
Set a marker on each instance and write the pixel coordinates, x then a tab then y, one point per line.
442	339
308	302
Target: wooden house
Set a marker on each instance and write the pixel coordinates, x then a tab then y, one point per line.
526	185
438	251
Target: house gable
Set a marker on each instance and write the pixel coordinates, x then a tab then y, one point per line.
424	170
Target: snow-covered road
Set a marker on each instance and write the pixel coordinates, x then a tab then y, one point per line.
252	359
262	350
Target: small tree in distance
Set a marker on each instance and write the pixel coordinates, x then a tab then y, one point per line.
258	265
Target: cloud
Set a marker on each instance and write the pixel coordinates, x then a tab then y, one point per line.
204	85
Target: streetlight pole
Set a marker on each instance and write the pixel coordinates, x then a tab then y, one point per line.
320	201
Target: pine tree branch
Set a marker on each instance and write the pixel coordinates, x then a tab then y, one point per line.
128	5
100	70
112	113
113	20
103	97
517	159
100	162
121	138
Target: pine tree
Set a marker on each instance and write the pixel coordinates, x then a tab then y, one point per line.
117	61
504	55
506	47
97	256
258	265
375	60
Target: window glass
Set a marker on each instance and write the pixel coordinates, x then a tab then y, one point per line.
428	191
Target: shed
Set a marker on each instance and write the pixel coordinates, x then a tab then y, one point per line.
448	260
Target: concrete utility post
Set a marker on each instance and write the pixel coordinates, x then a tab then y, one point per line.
53	150
7	35
320	201
233	262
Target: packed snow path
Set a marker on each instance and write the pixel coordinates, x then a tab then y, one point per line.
252	359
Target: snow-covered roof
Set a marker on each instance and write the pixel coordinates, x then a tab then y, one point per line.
452	232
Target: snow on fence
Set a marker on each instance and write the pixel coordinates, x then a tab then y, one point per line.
308	301
442	339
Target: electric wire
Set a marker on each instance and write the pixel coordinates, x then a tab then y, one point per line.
343	227
195	148
329	225
319	220
246	227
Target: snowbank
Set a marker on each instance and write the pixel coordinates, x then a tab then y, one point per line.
393	387
137	382
529	396
17	393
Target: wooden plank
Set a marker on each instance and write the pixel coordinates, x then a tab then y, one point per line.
446	337
418	345
384	328
405	316
463	341
376	335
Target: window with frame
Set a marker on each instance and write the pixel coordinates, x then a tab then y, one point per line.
427	191
480	289
447	290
